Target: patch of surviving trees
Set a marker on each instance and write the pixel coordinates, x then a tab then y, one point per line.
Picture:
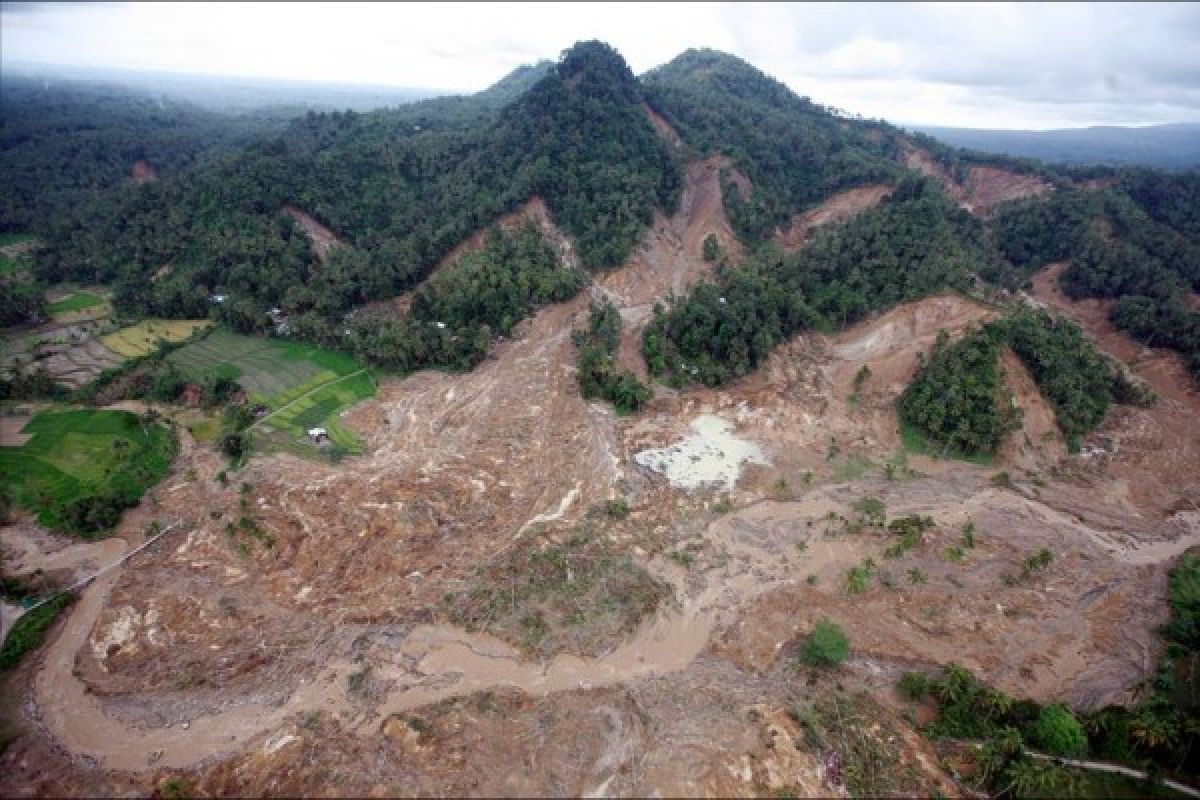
1137	243
913	244
957	398
599	374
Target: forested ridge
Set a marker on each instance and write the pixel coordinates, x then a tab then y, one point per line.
402	187
912	245
794	151
1137	242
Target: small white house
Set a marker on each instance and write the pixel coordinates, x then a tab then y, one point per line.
318	434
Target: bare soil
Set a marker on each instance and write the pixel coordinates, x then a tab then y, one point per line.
982	189
837	208
10	430
308	650
142	172
1038	443
323	240
663	127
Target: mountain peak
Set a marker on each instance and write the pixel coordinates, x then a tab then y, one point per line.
596	68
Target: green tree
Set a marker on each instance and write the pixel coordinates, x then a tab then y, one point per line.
1059	732
826	645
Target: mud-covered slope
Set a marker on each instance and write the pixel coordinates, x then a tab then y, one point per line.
794	152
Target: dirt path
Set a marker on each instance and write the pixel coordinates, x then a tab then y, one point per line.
1116	769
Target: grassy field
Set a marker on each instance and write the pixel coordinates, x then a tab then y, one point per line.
145	337
75	456
301	386
76	302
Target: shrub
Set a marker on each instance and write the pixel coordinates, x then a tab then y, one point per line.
1059	733
871	511
826	646
617	508
914	686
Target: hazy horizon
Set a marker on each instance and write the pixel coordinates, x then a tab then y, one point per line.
987	66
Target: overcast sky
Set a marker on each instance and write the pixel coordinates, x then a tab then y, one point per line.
1012	65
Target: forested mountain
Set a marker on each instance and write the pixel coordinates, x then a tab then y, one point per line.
793	151
66	146
401	187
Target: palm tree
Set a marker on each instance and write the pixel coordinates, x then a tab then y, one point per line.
956	684
1153	730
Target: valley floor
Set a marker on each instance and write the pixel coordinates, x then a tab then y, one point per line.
312	649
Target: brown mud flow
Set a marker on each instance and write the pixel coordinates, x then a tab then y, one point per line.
309	647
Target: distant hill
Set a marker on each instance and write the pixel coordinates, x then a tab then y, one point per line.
1162	146
232	94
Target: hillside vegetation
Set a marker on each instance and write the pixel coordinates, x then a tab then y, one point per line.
957	399
401	188
1138	243
910	246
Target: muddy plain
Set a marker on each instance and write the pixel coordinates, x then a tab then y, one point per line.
315	649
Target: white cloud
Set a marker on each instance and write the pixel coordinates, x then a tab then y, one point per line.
983	65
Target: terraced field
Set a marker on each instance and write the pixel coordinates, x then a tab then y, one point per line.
76	301
145	337
302	387
68	351
76	365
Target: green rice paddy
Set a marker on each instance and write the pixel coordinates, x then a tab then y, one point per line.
79	455
301	386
